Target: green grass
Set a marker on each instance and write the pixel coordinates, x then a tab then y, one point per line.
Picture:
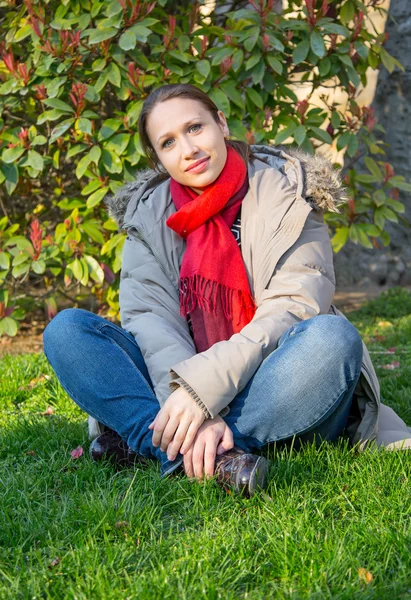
128	534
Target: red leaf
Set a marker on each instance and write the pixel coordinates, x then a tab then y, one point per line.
77	452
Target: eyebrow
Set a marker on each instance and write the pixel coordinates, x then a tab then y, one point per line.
193	120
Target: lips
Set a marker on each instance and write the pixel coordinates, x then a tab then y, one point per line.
196	164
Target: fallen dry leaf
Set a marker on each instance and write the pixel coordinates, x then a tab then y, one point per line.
392	366
77	452
384	324
38	380
49	411
365	575
54	563
122	524
31	453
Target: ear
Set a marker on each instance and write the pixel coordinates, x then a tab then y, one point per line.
223	123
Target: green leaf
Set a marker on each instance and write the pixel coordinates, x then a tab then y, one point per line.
373	167
84	125
203	67
10	155
335	119
321	134
300	52
114	75
343	140
220	100
99	64
367	178
403	185
352	146
379	218
9	326
317	43
60	129
91	228
4	260
275	64
299	134
339	239
59	104
76	268
110	126
250	42
347	12
101	35
22	33
92	156
252	61
334	28
127	40
118	143
96	198
111	162
324	66
35	160
75	150
50	115
20	270
133	112
39	266
101	81
254	97
11	174
387	60
96	271
141	32
91	187
285	134
232	92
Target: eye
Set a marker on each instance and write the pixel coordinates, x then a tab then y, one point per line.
196	125
165	144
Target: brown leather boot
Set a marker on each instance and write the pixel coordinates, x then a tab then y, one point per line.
110	446
241	471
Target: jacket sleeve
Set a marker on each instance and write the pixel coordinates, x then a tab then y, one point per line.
150	311
302	286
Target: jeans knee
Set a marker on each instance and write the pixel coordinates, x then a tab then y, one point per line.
339	340
58	332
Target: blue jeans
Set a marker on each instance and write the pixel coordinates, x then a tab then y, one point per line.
304	388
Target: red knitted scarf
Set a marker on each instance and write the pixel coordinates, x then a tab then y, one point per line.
214	288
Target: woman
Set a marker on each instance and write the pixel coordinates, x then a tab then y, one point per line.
229	339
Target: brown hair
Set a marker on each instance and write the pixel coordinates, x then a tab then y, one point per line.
179	90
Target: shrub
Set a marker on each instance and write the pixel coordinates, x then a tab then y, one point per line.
74	75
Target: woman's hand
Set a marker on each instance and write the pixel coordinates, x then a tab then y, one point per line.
177	423
213	437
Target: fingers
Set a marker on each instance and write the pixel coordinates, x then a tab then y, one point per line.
168	433
188	463
227	441
209	456
198	457
179	437
190	435
159	425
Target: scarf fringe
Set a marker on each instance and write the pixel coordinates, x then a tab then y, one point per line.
198	291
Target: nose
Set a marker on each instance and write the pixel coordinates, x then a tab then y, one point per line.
188	148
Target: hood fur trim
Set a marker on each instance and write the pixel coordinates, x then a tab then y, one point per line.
323	187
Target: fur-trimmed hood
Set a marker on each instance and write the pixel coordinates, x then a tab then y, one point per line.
322	183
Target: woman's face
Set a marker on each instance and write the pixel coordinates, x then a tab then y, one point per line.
183	132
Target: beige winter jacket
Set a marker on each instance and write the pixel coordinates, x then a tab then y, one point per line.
288	258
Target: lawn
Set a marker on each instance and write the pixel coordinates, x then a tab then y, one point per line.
333	523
